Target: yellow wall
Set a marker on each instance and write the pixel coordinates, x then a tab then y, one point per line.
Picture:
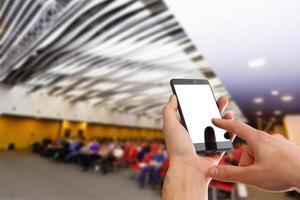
74	127
292	126
25	131
96	130
280	130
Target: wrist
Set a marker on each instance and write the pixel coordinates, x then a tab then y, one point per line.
184	181
294	175
296	178
190	167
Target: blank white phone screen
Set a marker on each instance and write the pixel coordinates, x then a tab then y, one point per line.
198	107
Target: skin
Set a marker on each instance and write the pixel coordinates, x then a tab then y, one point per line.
186	177
268	162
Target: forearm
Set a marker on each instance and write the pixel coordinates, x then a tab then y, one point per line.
184	183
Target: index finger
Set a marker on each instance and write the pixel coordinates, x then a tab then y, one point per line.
239	128
222	103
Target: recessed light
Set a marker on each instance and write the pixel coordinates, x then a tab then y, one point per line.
277	112
256	63
259	113
258	100
275	92
287	98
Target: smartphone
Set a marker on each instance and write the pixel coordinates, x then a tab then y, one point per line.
197	106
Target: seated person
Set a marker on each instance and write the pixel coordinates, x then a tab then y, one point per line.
153	169
75	150
118	152
89	154
70	146
52	148
109	156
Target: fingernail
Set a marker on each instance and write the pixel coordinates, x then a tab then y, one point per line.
216	119
171	97
213	171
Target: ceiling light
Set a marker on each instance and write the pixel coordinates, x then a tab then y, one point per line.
256	63
275	92
277	112
259	113
287	98
258	100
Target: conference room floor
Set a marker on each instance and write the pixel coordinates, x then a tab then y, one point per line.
24	176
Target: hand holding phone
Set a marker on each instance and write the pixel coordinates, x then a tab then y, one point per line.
185	165
197	106
195	171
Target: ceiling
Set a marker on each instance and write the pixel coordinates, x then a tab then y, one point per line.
253	46
118	54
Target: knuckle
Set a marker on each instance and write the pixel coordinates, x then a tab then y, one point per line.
264	137
233	125
230	115
224	173
277	135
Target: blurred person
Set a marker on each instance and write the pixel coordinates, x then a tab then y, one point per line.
103	152
75	150
63	151
70	148
52	148
269	162
153	168
118	152
105	158
154	147
126	146
38	147
144	149
130	152
75	144
112	159
111	146
141	152
89	154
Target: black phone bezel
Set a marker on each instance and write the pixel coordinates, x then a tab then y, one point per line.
200	147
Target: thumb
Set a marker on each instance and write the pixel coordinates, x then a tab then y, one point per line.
229	173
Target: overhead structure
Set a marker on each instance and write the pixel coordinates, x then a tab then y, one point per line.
117	54
256	59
